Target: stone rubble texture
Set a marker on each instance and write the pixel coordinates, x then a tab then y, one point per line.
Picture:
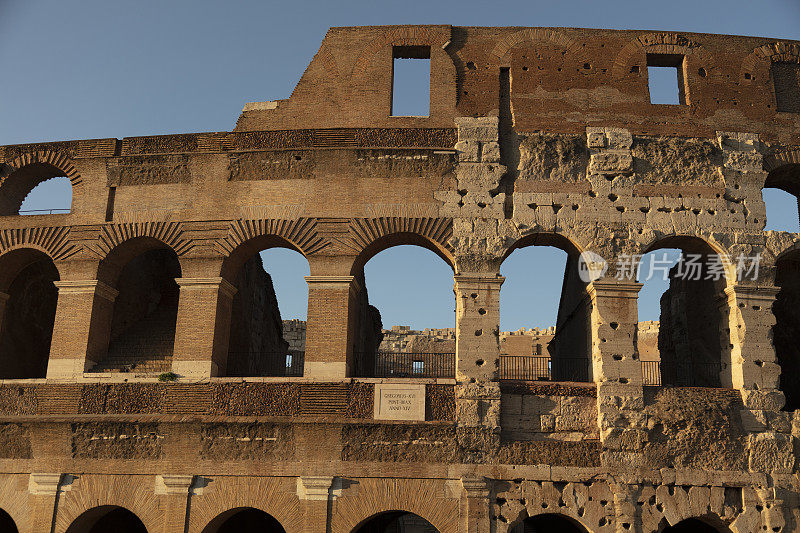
535	137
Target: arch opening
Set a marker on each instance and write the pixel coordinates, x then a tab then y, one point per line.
404	313
786	331
683	313
107	518
546	523
781	195
268	313
28	299
396	522
143	315
7	524
693	525
244	520
545	325
36	189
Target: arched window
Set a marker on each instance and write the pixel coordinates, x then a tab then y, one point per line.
786	331
37	188
544	302
405	319
684	282
142	327
244	520
28	312
7	524
547	523
270	290
396	522
781	194
107	518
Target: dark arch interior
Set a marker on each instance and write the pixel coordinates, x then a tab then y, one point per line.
7	524
786	331
142	329
691	525
569	350
396	522
107	519
27	325
548	523
20	183
691	324
246	520
256	345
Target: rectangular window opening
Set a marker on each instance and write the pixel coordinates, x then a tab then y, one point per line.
411	81
666	80
786	77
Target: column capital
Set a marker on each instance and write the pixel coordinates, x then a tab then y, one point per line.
89	286
623	288
475	487
477	279
319	488
173	484
224	286
333	282
44	483
756	292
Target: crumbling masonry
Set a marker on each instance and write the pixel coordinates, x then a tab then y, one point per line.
535	137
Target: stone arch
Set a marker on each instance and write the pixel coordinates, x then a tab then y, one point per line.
255	345
692	352
29	170
91	492
571	346
400	36
547	522
370	497
107	518
664	43
274	496
757	64
370	237
54	241
533	36
27	312
244	520
702	524
395	520
783	174
142	319
116	237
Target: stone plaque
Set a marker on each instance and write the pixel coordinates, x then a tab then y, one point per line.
394	401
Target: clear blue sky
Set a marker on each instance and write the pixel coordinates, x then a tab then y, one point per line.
90	69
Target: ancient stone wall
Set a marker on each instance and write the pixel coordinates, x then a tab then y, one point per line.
536	137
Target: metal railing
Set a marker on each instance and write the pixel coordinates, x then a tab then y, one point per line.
270	364
684	373
45	211
527	368
651	373
414	365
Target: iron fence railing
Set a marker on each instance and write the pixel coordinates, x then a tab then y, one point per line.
651	373
268	364
413	365
45	211
528	368
690	373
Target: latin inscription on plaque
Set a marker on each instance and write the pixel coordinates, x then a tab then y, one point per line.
399	402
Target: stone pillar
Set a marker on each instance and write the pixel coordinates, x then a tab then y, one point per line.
203	327
44	489
617	370
329	330
478	349
82	327
754	365
173	490
476	493
317	494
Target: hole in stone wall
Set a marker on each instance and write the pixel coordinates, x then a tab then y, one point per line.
411	70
